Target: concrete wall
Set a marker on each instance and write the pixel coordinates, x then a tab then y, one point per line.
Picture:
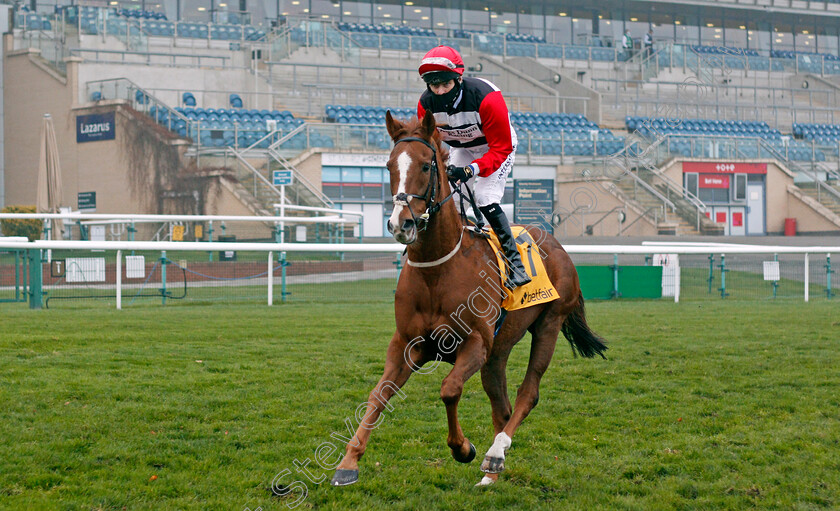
512	82
567	86
35	90
593	203
807	220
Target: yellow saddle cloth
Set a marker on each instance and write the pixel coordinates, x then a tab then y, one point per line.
540	289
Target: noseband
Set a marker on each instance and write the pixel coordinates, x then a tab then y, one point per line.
402	199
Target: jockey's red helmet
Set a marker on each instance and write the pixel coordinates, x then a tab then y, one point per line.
441	64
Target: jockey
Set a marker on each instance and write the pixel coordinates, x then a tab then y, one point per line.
473	119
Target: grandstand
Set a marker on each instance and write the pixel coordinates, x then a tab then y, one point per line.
670	137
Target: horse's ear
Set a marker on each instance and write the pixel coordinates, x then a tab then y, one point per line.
395	127
428	125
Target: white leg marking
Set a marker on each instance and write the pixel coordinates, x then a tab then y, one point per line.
485	481
403	164
500	445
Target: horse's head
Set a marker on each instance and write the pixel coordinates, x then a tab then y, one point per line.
416	178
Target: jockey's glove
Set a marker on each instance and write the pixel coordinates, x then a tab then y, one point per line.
462	174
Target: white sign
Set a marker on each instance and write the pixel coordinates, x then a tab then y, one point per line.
771	270
97	233
353	160
84	269
670	264
135	267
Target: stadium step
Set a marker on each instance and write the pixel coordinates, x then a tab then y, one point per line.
810	190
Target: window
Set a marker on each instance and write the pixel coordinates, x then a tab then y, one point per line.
805	39
739	191
356	12
691	183
559	28
714	195
827	39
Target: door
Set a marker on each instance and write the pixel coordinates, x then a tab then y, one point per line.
737	225
755	209
720	215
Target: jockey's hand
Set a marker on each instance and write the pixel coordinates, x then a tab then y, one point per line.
462	174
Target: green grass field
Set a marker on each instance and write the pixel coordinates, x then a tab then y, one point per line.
704	405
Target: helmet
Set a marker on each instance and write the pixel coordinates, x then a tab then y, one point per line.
441	64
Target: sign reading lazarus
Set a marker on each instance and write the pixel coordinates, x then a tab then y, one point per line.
92	128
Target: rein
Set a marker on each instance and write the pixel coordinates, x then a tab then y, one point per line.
432	207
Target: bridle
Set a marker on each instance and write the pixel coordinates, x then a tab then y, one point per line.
432	207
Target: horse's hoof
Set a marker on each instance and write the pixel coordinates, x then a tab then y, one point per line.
485	481
343	477
492	465
468	458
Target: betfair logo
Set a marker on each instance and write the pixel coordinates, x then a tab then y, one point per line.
539	294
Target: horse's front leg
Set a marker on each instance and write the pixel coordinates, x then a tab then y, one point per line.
470	359
399	364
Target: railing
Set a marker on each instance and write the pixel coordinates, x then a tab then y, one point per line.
260	187
150	58
140	99
822	186
52	47
302	190
301	185
299	33
685	57
778	106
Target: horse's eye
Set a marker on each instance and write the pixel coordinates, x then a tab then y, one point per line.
426	167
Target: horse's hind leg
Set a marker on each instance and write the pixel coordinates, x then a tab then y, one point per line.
397	372
494	380
544	339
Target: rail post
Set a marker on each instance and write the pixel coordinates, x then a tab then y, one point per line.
723	270
36	292
614	268
711	271
163	276
828	271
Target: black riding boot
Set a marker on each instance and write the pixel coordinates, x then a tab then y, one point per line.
516	275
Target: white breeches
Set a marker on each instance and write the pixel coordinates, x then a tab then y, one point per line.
487	190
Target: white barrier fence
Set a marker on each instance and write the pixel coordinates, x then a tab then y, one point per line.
657	253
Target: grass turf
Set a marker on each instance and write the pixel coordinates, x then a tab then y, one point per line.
706	405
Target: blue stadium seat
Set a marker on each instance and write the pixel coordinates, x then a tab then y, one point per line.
188	99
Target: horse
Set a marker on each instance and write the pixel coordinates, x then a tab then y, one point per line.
447	306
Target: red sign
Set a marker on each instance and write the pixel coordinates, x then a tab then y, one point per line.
737	219
720	217
715	167
713	181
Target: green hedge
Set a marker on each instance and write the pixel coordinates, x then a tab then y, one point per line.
29	228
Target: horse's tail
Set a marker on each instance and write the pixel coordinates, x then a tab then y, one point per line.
580	336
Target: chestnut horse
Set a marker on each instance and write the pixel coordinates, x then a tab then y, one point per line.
448	304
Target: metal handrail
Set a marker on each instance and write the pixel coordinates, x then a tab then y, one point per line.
643	215
821	185
96	51
591	226
131	86
285	138
300	177
257	173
